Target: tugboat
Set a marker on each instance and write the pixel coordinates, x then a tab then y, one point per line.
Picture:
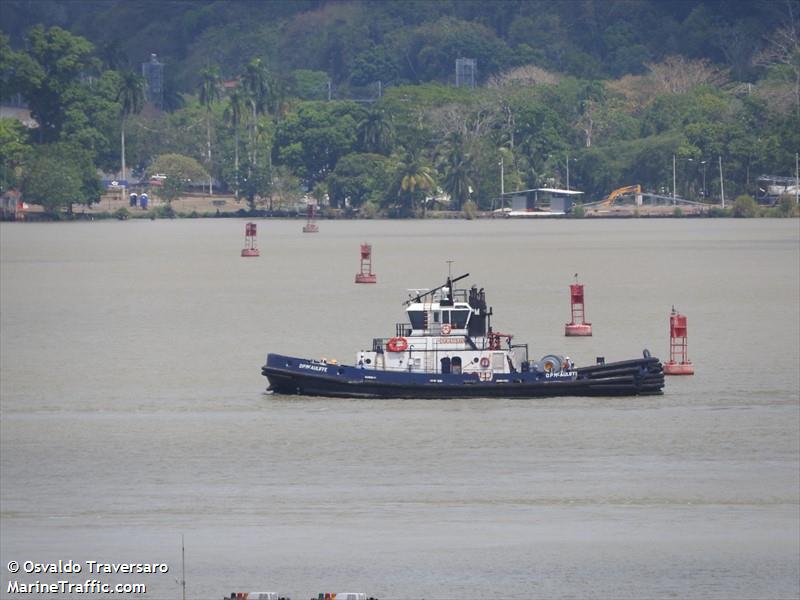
448	349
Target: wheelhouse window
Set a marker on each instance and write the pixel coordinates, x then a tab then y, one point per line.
417	319
458	318
436	316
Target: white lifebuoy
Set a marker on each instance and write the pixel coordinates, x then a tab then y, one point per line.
485	362
446	329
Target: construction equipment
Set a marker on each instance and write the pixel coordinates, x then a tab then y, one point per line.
628	189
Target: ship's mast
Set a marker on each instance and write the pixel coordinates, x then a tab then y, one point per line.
183	567
448	284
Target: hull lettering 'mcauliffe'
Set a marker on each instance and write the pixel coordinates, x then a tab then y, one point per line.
313	367
448	349
561	375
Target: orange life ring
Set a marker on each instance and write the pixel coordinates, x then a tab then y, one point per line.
397	344
485	362
446	329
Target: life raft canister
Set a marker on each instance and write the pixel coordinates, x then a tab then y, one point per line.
397	344
485	362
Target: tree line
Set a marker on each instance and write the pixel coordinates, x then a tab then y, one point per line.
268	136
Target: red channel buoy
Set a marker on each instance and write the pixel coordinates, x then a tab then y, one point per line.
311	222
366	275
250	248
578	325
679	363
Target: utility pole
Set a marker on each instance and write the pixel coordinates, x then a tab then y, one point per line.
673	178
567	171
721	183
502	186
705	196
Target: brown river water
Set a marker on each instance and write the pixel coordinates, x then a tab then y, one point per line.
133	411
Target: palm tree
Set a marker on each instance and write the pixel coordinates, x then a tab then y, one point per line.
130	94
457	166
233	116
209	92
278	103
375	131
255	81
415	176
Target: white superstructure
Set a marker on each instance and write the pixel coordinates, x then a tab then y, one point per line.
448	331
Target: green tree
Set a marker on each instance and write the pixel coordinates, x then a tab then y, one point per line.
375	131
783	50
258	182
309	85
374	64
14	150
180	171
255	82
130	95
233	116
414	179
171	189
92	119
285	187
59	175
456	164
360	178
433	47
47	75
8	62
208	93
311	140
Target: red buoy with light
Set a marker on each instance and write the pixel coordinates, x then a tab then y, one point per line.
366	275
311	223
679	363
250	248
578	325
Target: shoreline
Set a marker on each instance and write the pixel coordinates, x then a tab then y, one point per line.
202	206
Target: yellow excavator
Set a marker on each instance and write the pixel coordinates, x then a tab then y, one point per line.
628	189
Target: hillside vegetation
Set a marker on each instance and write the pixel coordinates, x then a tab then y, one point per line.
355	103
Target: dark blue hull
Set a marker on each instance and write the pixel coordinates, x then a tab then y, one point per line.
292	375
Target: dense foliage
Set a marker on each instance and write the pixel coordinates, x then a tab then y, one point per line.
356	101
